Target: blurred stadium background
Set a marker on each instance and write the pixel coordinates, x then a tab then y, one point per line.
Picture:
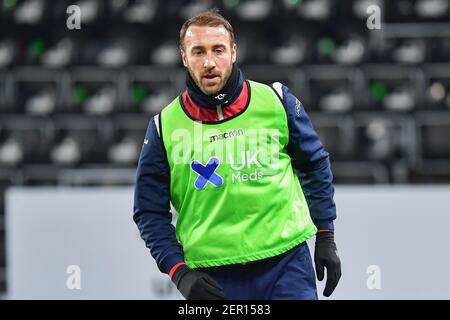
75	104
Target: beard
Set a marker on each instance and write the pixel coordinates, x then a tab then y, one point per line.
219	86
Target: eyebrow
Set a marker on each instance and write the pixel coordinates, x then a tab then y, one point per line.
214	47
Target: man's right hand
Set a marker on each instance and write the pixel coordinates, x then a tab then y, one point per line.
195	285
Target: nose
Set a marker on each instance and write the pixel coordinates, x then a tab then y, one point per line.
209	61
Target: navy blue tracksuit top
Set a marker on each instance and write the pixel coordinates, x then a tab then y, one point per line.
152	190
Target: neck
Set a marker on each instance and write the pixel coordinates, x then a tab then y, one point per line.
226	96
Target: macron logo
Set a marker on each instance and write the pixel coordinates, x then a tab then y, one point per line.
229	134
145	141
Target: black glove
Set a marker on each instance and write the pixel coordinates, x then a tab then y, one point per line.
195	285
325	255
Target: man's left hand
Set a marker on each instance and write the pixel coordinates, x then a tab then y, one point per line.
325	256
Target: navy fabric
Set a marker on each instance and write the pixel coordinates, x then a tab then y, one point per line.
289	276
311	161
152	203
152	189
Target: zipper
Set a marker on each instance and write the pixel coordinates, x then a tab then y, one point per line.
219	112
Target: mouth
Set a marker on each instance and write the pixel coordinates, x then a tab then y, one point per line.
211	76
211	79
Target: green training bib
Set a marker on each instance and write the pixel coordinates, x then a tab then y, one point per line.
233	184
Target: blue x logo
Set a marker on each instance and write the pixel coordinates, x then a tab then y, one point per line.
206	173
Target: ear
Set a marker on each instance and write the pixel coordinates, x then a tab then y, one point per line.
183	58
233	52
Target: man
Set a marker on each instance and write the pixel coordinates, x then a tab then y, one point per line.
244	215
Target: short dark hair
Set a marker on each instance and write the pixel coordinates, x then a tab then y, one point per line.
210	18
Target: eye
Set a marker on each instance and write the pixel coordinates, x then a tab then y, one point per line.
219	51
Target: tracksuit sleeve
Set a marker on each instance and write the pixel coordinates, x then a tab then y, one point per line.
310	160
152	202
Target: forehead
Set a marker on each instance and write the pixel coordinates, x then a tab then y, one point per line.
206	36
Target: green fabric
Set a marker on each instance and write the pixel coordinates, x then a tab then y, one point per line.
259	210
